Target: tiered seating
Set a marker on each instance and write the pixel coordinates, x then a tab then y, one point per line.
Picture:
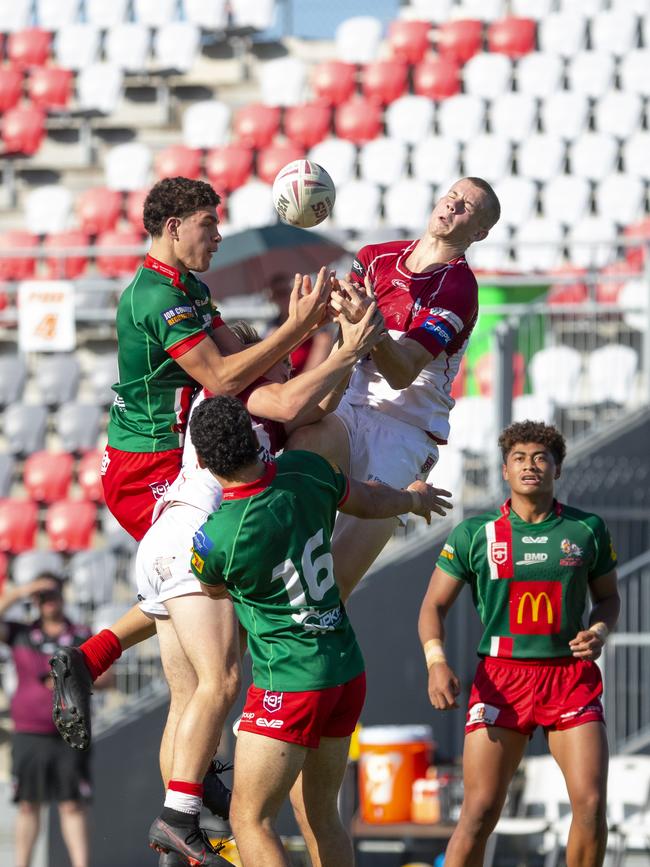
70	525
48	476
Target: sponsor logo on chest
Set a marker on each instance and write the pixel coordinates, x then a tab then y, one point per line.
535	607
535	540
498	553
531	557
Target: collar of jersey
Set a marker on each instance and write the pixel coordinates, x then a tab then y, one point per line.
159	267
252	488
553	515
424	275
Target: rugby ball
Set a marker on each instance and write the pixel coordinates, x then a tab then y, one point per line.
303	194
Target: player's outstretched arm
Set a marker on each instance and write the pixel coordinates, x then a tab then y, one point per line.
443	686
588	643
374	500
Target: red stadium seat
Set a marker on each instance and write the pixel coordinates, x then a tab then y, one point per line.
178	161
48	476
384	80
275	157
72	266
70	525
17	268
607	291
29	47
89	476
23	128
118	264
568	293
358	120
334	81
409	40
512	36
4	570
640	231
256	125
437	77
134	207
18	525
98	209
460	39
228	167
50	87
11	87
306	125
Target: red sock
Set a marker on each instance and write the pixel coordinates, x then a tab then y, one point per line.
101	651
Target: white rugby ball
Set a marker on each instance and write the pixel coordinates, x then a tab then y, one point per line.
303	194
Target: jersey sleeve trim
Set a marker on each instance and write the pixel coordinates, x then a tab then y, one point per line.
217	321
451	574
186	344
346	493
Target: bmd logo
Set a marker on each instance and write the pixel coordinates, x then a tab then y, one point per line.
535	607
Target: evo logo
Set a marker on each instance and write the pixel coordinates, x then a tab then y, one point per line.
269	723
535	540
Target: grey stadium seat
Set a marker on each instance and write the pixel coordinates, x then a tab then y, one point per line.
102	376
13	372
93	575
57	378
78	426
29	565
25	427
6	473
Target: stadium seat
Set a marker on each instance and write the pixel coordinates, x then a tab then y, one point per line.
633	71
569	293
178	160
487	75
539	244
565	114
540	73
609	287
78	426
23	128
18	525
633	300
614	31
105	15
428	10
15	16
619	113
518	197
127	166
357	39
89	476
594	155
485	10
13	373
206	124
77	45
176	46
591	73
541	157
410	118
512	36
118	264
28	48
338	155
493	253
333	81
133	210
592	242
256	14
566	197
611	373
251	206
30	564
587	7
228	167
488	155
208	16
306	125
283	81
473	425
70	525
48	476
357	206
128	45
154	13
461	117
117	539
98	209
92	575
99	87
563	33
24	428
555	372
103	373
358	120
635	155
538	9
513	115
384	80
407	204
11	88
107	614
57	378
620	197
6	474
49	87
48	209
436	77
383	160
274	157
459	40
255	125
409	40
435	159
17	268
72	265
53	14
448	473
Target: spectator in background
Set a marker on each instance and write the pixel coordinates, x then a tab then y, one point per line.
316	348
44	768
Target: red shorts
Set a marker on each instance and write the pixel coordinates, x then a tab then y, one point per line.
133	481
305	717
523	694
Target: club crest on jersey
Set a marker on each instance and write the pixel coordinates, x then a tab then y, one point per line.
272	701
429	464
483	713
159	489
572	553
358	267
498	553
400	284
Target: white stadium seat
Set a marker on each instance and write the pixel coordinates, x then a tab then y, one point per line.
518	198
258	14
633	300
427	10
483	10
283	81
408	204
103	14
615	31
619	112
383	160
611	373
338	155
588	8
563	33
461	117
206	124
540	73
53	14
493	253
15	15
565	114
640	7
621	197
635	155
209	14
99	87
533	407
176	45
410	118
566	198
541	157
435	159
127	167
539	244
591	242
357	206
555	372
251	206
76	46
489	156
538	9
594	155
473	425
448	472
488	74
154	13
358	38
633	71
591	72
513	115
127	46
48	209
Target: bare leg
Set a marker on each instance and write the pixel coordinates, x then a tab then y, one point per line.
490	758
356	544
314	800
28	822
581	752
74	830
328	438
133	627
265	771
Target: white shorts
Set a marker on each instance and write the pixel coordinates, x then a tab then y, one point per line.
162	564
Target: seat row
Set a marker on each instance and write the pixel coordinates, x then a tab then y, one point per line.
48	476
70	525
57	379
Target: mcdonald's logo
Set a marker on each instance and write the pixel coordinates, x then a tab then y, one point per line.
535	602
535	607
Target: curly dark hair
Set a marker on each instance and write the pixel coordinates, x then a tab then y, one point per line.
223	436
533	432
175	197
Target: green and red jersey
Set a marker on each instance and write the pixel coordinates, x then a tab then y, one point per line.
269	542
529	582
161	315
